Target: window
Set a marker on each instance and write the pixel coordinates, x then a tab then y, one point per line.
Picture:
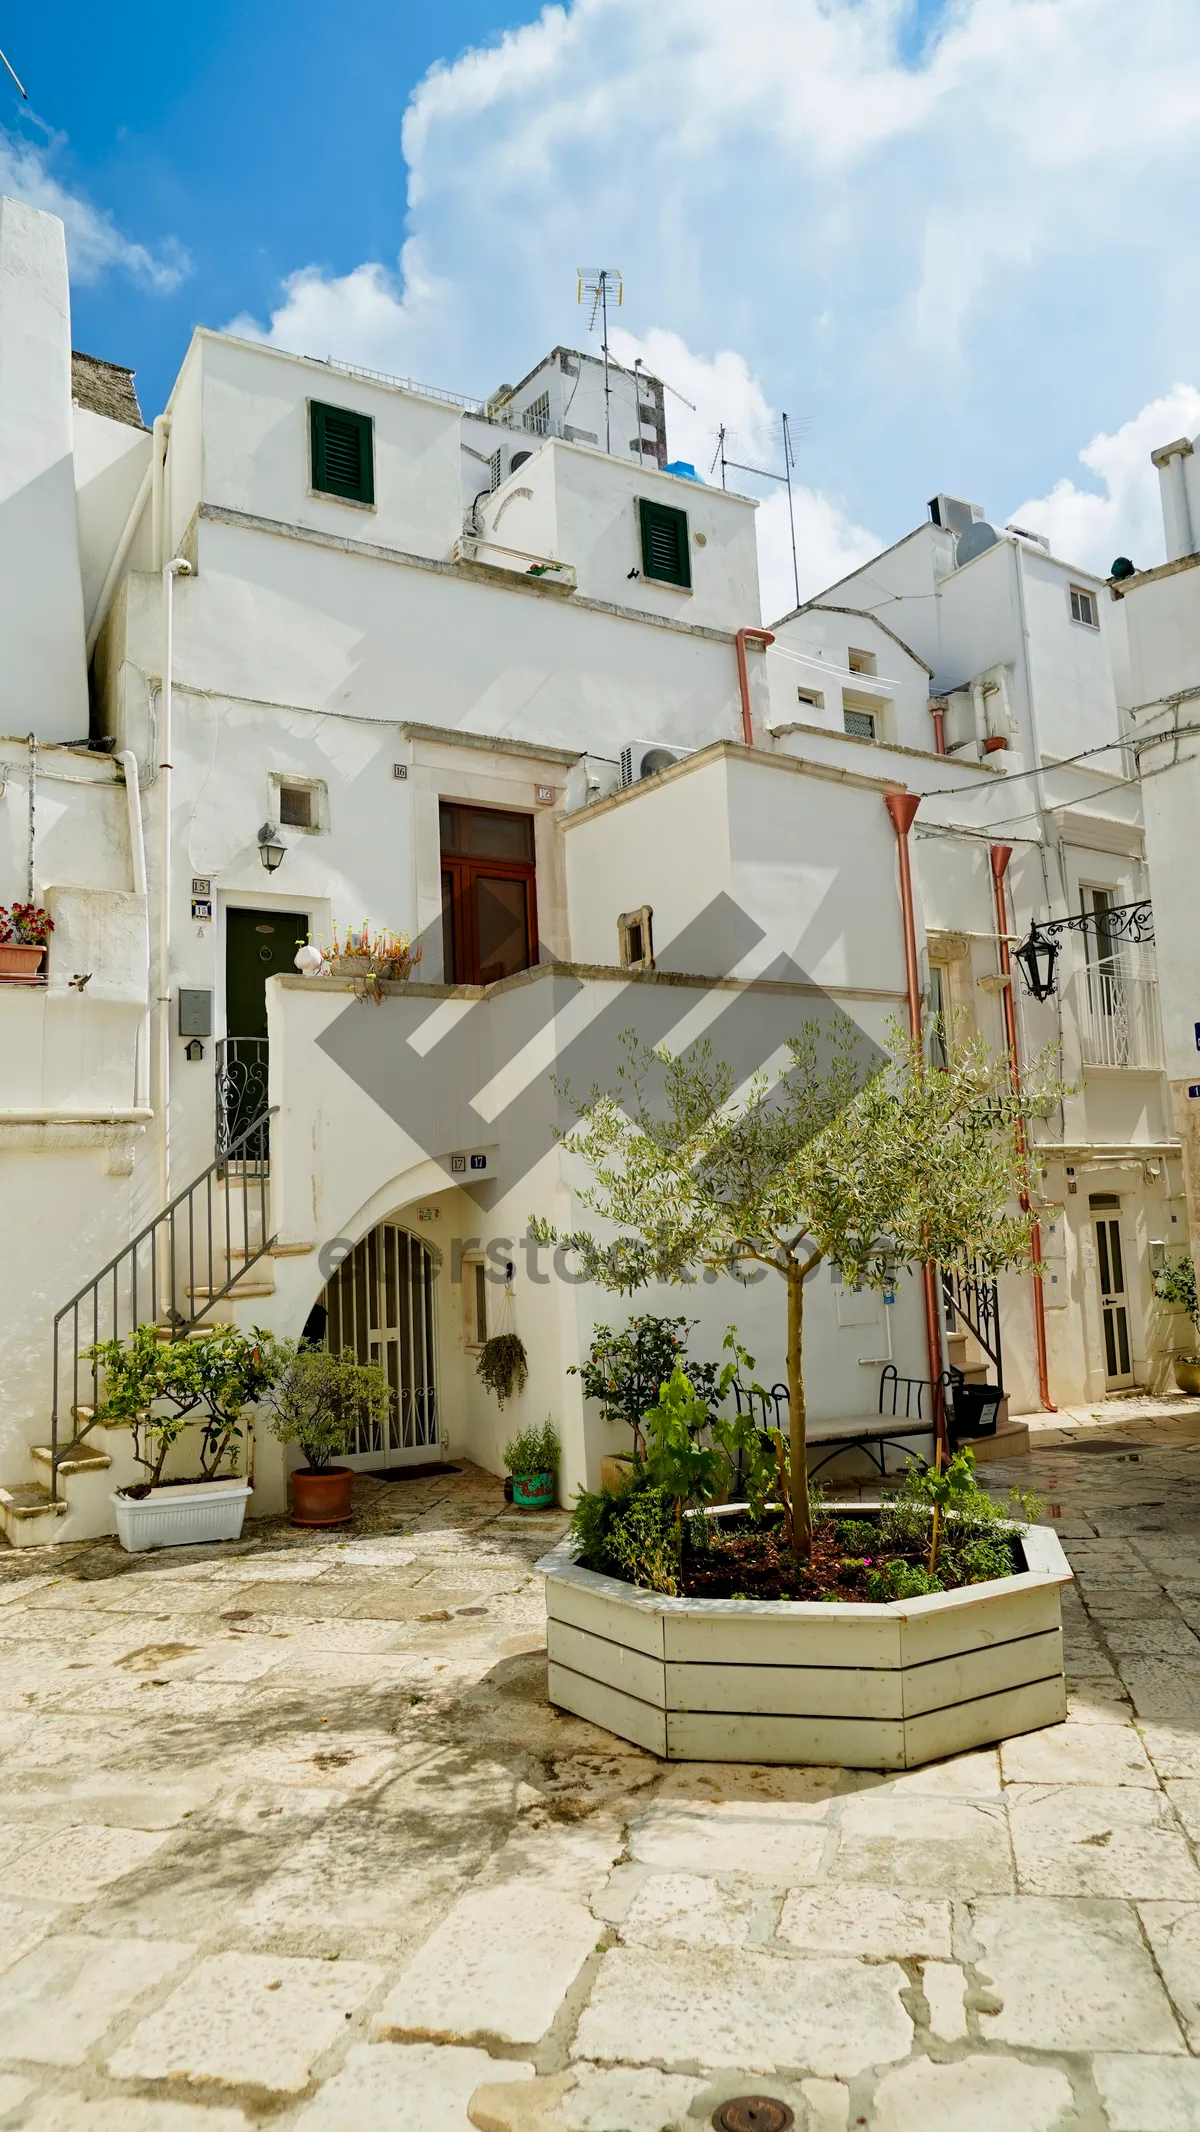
296	809
343	458
859	724
812	697
939	1013
862	662
636	937
665	543
475	1301
489	899
1083	608
537	415
494	470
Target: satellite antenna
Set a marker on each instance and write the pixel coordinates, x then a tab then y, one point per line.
766	473
13	72
975	540
603	285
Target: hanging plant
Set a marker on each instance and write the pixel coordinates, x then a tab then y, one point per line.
503	1365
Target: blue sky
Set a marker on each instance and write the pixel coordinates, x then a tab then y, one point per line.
955	237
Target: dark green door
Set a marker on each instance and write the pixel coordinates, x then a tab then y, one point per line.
258	945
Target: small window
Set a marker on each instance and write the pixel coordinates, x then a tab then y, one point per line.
537	415
636	938
1083	608
860	725
481	1309
665	554
862	662
494	469
812	697
296	808
343	458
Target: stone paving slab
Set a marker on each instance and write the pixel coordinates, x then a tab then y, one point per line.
291	1838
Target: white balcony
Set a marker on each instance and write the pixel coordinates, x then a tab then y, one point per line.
1117	1009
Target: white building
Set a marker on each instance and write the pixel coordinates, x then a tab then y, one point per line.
337	663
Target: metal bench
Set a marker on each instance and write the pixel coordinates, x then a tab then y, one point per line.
873	1434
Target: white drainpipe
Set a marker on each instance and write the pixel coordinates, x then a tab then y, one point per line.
137	853
177	567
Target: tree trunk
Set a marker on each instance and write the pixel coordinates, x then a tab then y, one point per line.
801	1511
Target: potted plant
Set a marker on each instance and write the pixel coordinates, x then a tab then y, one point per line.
503	1365
373	956
624	1370
320	1401
1175	1283
159	1387
25	929
532	1459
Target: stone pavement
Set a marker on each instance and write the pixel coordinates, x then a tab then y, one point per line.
290	1837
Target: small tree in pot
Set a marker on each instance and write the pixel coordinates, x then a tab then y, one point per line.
1175	1283
320	1402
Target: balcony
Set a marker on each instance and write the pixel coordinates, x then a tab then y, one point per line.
1116	1002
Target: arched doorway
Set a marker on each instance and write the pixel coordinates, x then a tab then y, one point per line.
381	1303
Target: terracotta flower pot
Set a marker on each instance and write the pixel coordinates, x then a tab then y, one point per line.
1187	1374
533	1491
20	961
994	743
321	1498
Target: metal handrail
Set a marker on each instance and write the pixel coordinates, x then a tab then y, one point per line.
975	1298
169	1273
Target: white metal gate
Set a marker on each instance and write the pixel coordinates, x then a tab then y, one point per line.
381	1303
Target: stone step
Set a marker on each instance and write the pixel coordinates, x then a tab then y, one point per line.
275	1251
29	1499
1011	1440
240	1290
85	1458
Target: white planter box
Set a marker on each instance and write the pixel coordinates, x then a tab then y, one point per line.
181	1517
753	1680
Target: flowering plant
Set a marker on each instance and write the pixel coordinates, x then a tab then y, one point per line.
374	954
25	925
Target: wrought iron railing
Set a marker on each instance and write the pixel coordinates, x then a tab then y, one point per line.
170	1274
1118	1017
242	1063
972	1297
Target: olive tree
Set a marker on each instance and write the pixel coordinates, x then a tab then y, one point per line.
874	1161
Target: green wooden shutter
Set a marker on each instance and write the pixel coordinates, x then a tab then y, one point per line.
665	553
343	459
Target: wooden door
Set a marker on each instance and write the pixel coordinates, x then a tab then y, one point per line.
489	894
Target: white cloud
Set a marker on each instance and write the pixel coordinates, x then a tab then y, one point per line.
1123	516
937	256
94	243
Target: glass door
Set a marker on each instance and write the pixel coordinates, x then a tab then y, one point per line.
380	1302
1114	1313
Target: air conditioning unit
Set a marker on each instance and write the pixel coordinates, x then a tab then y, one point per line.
954	513
593	777
642	758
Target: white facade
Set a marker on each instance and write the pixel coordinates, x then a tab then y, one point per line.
348	666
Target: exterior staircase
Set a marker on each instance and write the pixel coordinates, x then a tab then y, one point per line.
207	1259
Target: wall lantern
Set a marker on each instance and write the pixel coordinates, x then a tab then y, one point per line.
1037	959
270	850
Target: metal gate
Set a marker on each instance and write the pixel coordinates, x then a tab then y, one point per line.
381	1303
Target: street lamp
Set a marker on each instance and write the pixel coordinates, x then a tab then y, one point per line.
270	850
1038	960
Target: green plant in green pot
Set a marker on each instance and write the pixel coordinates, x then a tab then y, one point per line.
532	1458
1175	1283
322	1402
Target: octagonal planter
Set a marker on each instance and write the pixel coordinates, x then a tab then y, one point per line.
865	1687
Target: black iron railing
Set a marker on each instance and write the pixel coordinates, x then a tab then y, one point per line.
241	1089
971	1296
170	1274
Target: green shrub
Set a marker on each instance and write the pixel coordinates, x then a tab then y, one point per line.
534	1450
643	1543
321	1401
900	1580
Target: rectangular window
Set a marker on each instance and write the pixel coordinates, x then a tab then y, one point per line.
665	556
343	457
812	697
636	938
494	469
859	724
1083	608
537	415
296	806
489	895
862	662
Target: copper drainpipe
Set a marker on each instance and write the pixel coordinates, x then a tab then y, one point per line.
765	638
902	807
1000	856
937	712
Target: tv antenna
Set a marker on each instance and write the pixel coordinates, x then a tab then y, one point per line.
766	473
604	286
12	70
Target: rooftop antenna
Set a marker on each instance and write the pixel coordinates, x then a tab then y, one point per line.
766	473
602	285
13	72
